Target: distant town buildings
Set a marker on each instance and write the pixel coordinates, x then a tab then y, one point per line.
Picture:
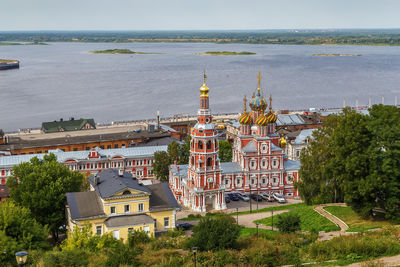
120	204
135	160
259	160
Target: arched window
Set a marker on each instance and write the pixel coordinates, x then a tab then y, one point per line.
209	162
192	160
200	145
126	192
208	144
192	143
215	144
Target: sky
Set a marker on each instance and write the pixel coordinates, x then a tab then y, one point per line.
197	15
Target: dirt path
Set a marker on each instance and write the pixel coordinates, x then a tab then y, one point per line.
320	209
384	261
247	220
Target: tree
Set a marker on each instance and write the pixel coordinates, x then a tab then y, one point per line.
288	222
355	158
40	186
215	233
173	152
19	231
184	151
160	165
225	151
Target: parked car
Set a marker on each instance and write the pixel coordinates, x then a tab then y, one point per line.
184	226
267	197
227	199
256	197
279	198
243	197
233	196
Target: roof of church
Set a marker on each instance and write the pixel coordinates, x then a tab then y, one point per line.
250	147
275	148
230	167
291	165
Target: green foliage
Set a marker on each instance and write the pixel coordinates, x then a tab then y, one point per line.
354	158
67	258
288	222
309	220
273	208
357	247
215	233
160	165
19	231
225	151
40	186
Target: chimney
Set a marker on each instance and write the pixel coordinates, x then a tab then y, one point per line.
96	180
120	172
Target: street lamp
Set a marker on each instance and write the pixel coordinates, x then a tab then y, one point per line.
21	257
194	249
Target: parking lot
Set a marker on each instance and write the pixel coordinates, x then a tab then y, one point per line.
243	205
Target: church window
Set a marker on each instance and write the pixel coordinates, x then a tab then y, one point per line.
275	163
252	181
215	144
297	153
209	161
226	181
238	181
192	160
263	180
208	144
264	148
200	145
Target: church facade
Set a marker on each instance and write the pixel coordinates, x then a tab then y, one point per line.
259	163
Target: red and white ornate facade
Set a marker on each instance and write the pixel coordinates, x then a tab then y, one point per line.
259	160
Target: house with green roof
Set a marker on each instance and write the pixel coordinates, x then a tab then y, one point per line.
67	126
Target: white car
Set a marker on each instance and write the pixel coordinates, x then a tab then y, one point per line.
279	198
243	197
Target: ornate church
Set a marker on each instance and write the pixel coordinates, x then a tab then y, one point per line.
259	163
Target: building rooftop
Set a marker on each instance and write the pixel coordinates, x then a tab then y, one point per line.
291	165
250	147
69	125
161	197
230	167
60	139
128	220
109	183
84	205
130	152
303	135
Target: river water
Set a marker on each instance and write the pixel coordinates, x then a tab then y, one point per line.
62	80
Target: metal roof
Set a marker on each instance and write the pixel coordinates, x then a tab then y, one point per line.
303	135
111	183
161	197
292	119
182	169
230	167
128	220
84	205
130	152
250	147
275	148
291	165
164	127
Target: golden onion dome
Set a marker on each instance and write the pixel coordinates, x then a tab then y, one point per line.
282	142
262	120
204	89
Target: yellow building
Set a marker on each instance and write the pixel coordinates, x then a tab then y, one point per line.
119	203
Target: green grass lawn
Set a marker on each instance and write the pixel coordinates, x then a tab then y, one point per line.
245	232
355	222
309	220
274	208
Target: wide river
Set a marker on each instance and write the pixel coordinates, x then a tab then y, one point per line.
63	80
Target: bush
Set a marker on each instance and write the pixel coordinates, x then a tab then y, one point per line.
215	233
288	222
67	258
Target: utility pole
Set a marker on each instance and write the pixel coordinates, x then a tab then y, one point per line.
250	197
272	220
